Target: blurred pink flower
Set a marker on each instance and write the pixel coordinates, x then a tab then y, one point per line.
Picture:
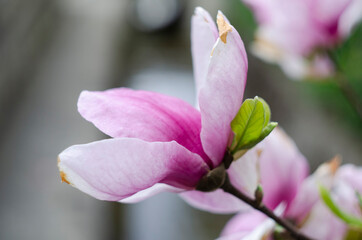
307	210
291	30
161	143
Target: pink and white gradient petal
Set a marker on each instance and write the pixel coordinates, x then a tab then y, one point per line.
215	202
221	96
203	37
282	169
344	196
149	116
352	175
249	226
308	194
115	169
149	192
350	17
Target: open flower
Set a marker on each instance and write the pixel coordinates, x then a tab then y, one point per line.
161	143
307	210
291	30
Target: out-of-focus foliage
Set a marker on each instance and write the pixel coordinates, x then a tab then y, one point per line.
348	59
353	234
242	18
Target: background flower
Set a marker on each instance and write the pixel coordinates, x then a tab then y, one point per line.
292	38
307	211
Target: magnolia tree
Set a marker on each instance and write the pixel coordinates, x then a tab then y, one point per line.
222	156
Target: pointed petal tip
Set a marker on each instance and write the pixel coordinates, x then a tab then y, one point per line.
334	164
223	25
62	174
203	14
199	10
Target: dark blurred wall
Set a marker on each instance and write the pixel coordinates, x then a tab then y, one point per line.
25	30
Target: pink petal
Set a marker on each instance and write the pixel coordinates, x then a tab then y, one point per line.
344	196
334	228
331	228
352	175
115	169
308	193
327	13
149	192
282	169
203	37
215	202
252	225
242	224
284	28
349	18
149	116
243	174
221	95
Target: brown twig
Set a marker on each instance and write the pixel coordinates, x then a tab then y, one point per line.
294	232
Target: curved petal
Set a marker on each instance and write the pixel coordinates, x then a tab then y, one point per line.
203	37
149	192
221	95
350	17
335	228
342	192
243	174
282	169
326	13
308	193
242	225
352	175
115	169
150	116
215	202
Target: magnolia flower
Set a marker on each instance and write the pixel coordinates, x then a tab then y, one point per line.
161	143
307	210
290	32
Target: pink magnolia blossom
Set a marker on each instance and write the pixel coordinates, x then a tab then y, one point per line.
291	30
160	143
307	210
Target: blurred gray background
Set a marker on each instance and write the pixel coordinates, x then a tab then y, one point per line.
51	50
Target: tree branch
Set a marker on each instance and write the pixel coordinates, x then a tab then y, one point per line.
294	232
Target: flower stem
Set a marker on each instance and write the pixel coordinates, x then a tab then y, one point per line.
294	232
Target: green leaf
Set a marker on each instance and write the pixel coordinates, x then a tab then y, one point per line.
264	133
251	124
267	112
327	199
267	130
